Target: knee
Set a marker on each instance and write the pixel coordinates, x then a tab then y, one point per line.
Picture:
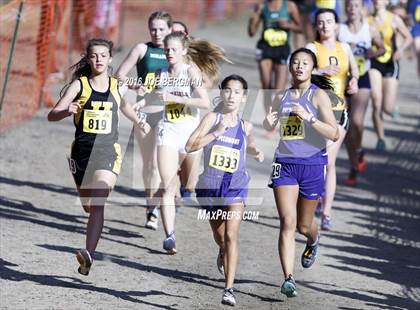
231	237
287	224
388	110
303	229
168	190
356	125
220	240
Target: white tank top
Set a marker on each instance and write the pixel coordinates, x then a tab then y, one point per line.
180	85
359	42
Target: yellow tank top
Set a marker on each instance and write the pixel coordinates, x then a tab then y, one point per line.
325	4
387	34
337	56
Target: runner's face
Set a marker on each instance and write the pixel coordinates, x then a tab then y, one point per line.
380	4
99	58
158	31
301	68
354	9
174	51
233	96
326	25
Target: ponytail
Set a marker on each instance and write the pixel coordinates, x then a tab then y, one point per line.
325	84
207	56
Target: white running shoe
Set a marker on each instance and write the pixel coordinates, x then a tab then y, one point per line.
152	219
228	297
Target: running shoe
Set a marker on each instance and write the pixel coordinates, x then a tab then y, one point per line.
289	287
319	208
309	254
395	113
85	262
152	218
169	244
219	262
326	223
380	145
362	163
184	192
228	298
352	178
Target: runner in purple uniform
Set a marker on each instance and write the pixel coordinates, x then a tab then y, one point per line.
306	120
222	187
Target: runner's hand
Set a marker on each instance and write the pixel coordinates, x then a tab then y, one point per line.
259	156
221	127
272	117
330	70
352	87
397	55
143	126
301	112
74	107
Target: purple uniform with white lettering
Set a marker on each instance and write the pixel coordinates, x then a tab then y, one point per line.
301	157
224	180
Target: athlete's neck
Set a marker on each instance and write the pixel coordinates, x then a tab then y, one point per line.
328	42
100	82
380	13
355	25
176	69
275	5
299	88
231	117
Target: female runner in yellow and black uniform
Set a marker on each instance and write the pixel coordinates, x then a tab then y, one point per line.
93	98
273	49
336	61
385	69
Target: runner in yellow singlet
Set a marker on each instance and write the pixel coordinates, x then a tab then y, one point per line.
385	70
335	60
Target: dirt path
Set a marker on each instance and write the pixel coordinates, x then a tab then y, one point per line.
370	260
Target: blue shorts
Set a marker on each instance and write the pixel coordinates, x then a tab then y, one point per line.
215	193
310	178
364	81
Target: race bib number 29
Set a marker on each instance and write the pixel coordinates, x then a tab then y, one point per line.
276	171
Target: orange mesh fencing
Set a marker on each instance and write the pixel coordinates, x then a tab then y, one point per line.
52	35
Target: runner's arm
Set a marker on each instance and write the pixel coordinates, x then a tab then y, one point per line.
66	106
408	38
201	136
136	54
272	118
377	42
295	25
255	20
200	98
129	112
252	149
352	85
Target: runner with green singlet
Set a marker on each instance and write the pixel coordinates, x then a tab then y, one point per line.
148	58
